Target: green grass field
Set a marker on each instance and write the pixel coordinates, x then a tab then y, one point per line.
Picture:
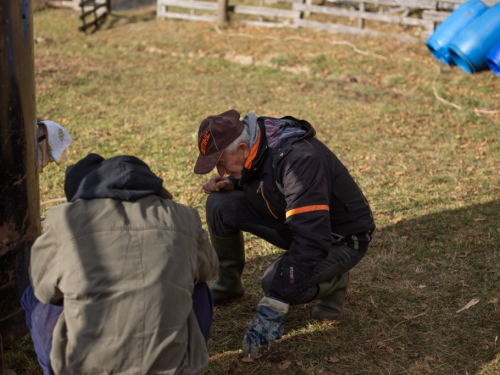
431	172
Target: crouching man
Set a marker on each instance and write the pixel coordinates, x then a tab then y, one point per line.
118	276
277	181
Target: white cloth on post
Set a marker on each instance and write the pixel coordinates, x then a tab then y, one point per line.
52	147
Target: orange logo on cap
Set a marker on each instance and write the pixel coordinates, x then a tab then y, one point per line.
204	142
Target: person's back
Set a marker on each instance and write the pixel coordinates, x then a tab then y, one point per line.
126	270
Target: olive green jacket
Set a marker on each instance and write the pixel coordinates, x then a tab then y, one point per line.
126	272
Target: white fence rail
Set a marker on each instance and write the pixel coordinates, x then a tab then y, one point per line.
353	16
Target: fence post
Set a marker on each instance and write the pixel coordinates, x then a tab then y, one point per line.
306	13
222	12
361	20
2	366
19	192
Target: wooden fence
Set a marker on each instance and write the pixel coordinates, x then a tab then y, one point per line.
418	18
92	12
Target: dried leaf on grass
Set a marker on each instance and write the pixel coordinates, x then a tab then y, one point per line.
472	302
332	359
383	345
285	365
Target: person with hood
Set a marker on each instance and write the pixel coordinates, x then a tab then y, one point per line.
118	277
280	183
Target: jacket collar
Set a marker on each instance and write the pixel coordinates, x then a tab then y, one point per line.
260	149
257	156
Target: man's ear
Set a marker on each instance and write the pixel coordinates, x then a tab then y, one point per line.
244	148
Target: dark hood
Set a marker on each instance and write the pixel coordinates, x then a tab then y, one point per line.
125	178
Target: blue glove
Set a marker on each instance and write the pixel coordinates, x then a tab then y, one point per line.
266	326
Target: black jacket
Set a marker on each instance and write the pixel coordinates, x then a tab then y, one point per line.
309	192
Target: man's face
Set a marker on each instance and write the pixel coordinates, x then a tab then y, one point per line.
232	164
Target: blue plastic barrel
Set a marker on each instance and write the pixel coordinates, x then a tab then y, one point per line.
441	38
470	47
493	59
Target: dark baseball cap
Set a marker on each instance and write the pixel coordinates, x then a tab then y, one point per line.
214	135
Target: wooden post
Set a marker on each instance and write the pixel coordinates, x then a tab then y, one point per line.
2	365
222	12
361	20
19	192
160	8
306	13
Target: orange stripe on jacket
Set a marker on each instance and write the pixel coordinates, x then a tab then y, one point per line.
253	152
301	210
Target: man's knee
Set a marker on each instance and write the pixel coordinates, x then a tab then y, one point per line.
215	204
222	210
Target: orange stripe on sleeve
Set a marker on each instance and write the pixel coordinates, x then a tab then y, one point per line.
301	210
253	152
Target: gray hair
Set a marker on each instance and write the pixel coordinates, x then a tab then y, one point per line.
244	137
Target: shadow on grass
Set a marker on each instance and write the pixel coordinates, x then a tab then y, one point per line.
406	313
401	316
123	18
21	357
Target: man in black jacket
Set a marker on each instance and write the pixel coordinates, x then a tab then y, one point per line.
277	181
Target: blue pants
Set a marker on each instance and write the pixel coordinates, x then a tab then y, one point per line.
41	319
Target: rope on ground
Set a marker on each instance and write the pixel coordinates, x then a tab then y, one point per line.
435	91
219	31
53	201
485	111
358	50
190	204
355	49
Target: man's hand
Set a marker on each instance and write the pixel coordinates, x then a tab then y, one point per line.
266	327
217	183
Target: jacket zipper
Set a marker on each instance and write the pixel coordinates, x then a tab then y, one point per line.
261	191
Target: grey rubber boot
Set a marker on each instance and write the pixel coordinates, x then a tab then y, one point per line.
231	254
331	301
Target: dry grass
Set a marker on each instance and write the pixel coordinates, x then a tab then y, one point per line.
431	172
